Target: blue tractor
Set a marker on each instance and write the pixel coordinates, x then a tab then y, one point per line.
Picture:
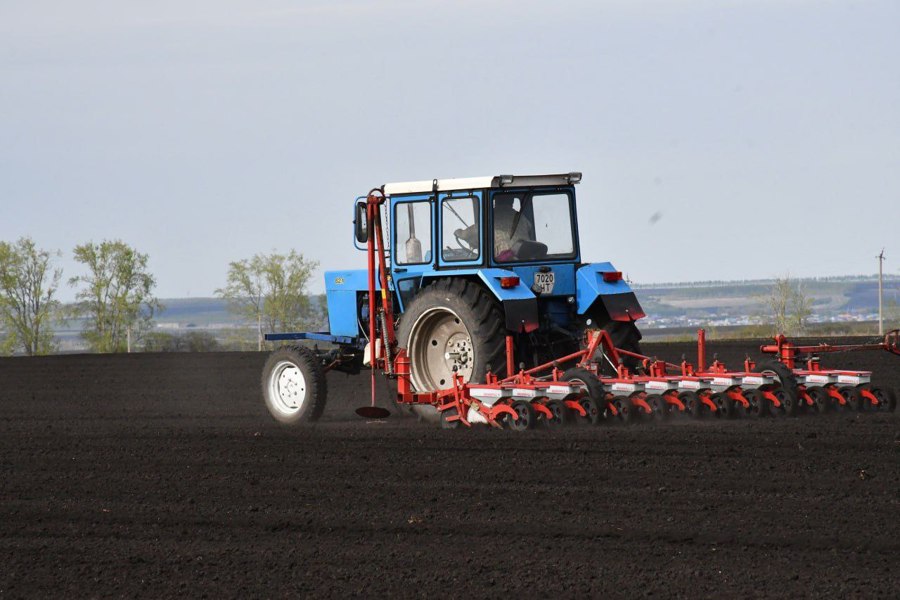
467	264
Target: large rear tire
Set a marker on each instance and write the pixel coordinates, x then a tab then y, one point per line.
451	324
294	385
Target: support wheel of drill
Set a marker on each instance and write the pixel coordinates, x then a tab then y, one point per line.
562	416
786	392
659	406
887	401
889	404
726	408
527	417
294	386
592	413
787	401
594	404
692	404
451	325
822	401
628	412
755	404
855	400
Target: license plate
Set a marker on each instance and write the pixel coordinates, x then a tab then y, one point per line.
544	282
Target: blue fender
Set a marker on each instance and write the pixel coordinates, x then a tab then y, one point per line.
617	297
519	303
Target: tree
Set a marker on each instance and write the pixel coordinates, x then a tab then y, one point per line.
790	306
891	315
117	295
270	290
779	300
28	284
801	310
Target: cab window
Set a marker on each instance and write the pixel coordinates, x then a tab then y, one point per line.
412	232
461	229
529	226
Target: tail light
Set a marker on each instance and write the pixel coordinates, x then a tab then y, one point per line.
612	276
509	282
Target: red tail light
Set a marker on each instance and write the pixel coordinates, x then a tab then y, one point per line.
509	282
612	276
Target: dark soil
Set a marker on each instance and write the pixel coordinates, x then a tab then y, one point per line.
162	475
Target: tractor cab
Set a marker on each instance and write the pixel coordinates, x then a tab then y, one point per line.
524	225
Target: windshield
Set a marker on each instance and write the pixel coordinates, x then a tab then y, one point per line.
531	226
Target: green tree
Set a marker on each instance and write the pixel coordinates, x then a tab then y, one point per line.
270	290
28	284
116	296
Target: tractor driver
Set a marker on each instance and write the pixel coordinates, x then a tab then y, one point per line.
510	227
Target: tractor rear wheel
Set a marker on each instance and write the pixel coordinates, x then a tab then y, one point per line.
294	385
451	326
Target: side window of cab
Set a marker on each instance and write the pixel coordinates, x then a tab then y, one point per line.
412	233
461	228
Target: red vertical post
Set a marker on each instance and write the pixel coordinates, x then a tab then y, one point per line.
371	209
371	213
701	350
510	356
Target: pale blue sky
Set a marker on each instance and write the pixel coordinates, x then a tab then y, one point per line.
767	133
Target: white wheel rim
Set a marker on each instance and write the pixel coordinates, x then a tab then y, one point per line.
287	388
442	342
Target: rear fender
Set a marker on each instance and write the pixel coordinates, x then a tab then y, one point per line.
616	298
519	303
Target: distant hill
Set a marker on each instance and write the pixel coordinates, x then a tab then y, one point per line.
672	308
734	303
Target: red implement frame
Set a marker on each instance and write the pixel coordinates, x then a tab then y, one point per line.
788	353
396	363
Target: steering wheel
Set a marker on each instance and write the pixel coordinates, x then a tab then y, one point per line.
464	244
464	248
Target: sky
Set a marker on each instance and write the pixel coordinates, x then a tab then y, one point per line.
720	139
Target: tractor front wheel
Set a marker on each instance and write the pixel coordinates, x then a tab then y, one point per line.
294	385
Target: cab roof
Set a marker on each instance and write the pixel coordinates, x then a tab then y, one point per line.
477	183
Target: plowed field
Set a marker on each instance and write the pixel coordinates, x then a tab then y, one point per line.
160	475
